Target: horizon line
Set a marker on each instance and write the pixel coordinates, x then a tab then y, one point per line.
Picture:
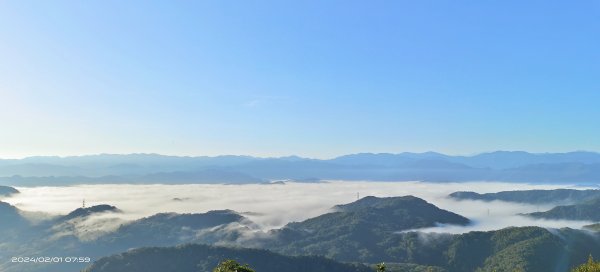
292	155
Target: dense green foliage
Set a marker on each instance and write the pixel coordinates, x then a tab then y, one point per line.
505	250
232	266
196	258
511	249
407	267
590	266
563	196
587	210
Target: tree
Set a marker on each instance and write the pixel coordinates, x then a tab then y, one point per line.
590	266
380	267
232	266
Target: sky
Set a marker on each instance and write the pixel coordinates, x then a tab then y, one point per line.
310	78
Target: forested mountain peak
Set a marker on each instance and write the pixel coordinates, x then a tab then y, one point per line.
87	211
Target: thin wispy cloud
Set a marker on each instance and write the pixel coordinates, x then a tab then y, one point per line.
253	103
264	100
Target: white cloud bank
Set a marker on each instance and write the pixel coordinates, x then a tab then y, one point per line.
272	206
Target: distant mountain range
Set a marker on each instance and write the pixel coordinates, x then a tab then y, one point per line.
573	167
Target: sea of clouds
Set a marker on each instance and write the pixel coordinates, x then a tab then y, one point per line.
273	205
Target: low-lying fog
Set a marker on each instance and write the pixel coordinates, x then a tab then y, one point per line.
274	205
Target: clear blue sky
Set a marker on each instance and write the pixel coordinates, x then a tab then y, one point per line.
312	78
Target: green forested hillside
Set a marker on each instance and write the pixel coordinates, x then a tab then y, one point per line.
202	258
355	231
368	231
588	211
525	249
529	249
510	249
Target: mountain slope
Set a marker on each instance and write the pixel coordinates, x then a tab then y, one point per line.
7	191
165	229
563	196
353	232
194	258
530	249
85	212
81	234
11	221
588	211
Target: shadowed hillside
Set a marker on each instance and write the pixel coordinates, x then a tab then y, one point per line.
194	258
